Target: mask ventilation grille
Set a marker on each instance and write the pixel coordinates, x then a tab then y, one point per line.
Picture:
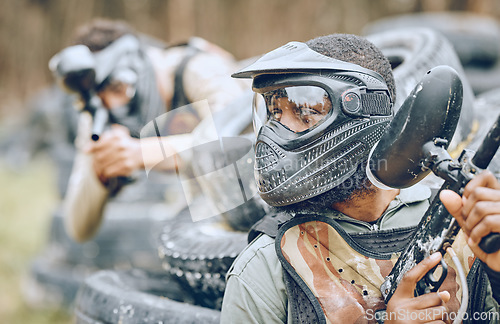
376	104
265	157
369	79
346	78
289	47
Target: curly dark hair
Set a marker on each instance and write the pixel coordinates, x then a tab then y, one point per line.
357	50
100	32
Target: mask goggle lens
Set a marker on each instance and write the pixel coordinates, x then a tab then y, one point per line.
297	108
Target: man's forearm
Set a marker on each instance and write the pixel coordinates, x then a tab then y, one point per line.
84	201
166	153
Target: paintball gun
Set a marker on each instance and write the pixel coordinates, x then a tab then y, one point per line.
414	145
74	68
82	72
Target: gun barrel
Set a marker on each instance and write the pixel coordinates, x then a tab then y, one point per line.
491	242
101	117
489	147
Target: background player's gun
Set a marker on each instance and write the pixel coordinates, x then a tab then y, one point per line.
414	145
74	68
77	70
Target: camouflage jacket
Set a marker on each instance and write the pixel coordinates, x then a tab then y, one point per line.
259	291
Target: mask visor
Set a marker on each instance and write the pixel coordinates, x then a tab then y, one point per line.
297	108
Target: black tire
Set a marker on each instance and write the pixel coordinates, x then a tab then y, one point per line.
475	38
199	254
54	284
243	217
128	235
482	79
414	51
51	284
155	283
127	238
113	297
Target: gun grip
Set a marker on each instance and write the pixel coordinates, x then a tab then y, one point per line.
490	243
428	284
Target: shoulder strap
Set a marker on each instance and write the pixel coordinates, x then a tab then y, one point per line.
179	98
301	308
478	283
268	225
384	241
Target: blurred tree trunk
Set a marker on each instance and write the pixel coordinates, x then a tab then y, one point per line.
31	31
179	15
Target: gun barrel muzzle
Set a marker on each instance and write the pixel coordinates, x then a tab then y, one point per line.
101	117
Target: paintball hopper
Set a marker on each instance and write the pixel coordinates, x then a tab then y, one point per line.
431	111
74	68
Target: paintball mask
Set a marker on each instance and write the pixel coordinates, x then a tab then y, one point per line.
316	118
121	64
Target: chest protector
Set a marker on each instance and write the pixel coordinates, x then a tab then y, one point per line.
334	277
